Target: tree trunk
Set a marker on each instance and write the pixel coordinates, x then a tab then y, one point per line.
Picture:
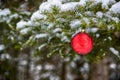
63	73
100	71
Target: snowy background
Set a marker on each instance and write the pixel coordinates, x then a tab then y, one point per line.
35	39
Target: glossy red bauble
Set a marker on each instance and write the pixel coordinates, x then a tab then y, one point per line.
82	43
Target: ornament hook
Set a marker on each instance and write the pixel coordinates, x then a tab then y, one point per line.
82	30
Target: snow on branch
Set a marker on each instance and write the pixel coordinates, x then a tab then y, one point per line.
115	8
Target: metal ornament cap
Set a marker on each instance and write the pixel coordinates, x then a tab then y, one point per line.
82	43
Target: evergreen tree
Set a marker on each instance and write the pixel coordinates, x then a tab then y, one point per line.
52	27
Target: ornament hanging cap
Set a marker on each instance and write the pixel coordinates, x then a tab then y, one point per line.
82	30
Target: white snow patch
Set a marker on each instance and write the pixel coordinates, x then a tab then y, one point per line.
2	47
97	35
54	78
108	15
99	14
82	2
69	6
105	3
89	13
73	64
98	1
47	6
113	66
67	59
32	66
109	38
24	6
82	69
37	16
94	20
23	62
25	31
110	27
112	1
5	56
115	8
42	35
58	35
75	23
115	19
78	14
25	13
86	20
114	51
77	58
50	25
93	30
39	67
5	12
47	74
49	67
14	16
57	30
86	66
22	24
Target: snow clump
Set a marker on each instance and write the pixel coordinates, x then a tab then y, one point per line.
5	12
2	47
25	31
47	6
99	14
69	6
115	8
42	35
37	16
23	24
75	23
105	3
114	51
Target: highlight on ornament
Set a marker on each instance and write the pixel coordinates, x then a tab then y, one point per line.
82	43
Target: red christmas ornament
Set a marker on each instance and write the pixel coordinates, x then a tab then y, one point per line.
82	43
